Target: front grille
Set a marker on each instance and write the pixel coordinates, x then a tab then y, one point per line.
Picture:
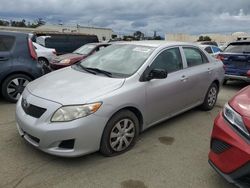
218	146
32	110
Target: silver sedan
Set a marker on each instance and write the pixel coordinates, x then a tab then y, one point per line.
104	102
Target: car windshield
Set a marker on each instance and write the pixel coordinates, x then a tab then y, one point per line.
84	50
238	48
121	60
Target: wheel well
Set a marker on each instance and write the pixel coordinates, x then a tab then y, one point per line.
217	83
18	72
43	58
137	113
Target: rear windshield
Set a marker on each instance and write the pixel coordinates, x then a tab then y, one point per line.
238	48
6	43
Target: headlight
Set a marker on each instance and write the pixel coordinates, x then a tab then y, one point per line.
235	119
69	113
65	61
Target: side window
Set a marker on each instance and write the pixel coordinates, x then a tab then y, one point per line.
194	57
169	60
6	43
208	50
215	49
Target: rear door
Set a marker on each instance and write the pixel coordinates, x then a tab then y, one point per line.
199	73
6	46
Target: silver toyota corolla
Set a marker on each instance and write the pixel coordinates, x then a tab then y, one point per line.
105	101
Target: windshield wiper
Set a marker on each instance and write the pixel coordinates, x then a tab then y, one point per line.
87	69
109	74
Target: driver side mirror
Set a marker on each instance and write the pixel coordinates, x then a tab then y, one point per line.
248	74
156	74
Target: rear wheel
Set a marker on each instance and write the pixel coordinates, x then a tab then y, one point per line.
120	133
211	97
13	86
45	64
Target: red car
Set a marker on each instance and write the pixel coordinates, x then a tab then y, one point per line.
78	55
230	142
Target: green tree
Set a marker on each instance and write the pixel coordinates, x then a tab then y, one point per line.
138	35
204	38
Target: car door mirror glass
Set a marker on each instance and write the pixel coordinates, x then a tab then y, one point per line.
157	74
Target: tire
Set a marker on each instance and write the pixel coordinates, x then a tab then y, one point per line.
43	61
45	64
116	138
211	98
13	86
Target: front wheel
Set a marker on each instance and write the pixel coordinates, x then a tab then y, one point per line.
13	86
120	133
211	98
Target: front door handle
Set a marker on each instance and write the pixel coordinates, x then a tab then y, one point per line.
3	58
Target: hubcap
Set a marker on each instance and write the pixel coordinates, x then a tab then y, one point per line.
122	135
212	95
16	87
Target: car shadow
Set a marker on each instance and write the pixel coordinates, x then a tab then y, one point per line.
235	84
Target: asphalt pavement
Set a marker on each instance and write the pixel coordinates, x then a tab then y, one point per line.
172	154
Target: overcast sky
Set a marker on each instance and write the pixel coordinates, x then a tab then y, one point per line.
125	16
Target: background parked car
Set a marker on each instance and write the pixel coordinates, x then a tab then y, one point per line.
106	100
208	43
229	153
212	50
65	43
45	55
79	54
236	59
18	64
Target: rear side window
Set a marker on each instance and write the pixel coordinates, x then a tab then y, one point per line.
208	50
215	49
6	43
238	48
194	57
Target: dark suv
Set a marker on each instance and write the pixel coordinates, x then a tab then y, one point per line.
18	64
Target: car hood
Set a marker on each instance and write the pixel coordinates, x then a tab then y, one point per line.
68	86
241	102
70	56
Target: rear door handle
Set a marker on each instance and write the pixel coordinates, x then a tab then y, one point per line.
209	70
184	78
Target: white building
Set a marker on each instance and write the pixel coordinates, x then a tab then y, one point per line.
102	33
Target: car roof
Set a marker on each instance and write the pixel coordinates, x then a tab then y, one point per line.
157	43
240	42
13	33
98	43
206	45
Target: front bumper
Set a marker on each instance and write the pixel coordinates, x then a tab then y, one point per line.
231	156
85	132
235	77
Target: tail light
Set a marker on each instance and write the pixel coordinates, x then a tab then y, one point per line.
54	52
248	73
32	50
224	67
220	57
